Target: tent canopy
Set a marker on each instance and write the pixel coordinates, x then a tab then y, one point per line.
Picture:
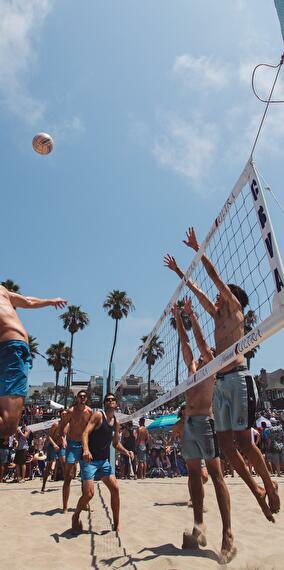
164	422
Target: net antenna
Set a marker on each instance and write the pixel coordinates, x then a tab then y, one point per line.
241	244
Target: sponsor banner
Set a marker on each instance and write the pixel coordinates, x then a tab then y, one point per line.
267	232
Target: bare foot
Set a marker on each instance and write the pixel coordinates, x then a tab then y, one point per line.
264	506
117	528
228	551
64	511
77	526
273	499
42	491
195	539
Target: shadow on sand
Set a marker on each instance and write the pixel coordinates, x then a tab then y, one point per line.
51	512
164	550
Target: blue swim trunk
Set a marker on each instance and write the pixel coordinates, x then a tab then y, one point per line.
235	400
199	438
141	453
52	454
73	451
15	363
95	470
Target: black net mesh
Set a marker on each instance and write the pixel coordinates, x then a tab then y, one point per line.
238	253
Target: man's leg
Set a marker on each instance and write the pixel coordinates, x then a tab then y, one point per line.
228	550
10	413
23	470
197	498
87	495
226	442
2	469
255	456
45	475
112	485
68	476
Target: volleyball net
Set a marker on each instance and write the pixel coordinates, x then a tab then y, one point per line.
242	246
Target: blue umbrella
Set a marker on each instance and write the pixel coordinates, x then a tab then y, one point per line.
164	422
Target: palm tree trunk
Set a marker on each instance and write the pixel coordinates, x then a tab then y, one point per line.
177	364
68	382
56	384
149	382
111	356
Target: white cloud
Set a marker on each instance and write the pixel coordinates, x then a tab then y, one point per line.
62	130
263	80
187	147
19	23
201	72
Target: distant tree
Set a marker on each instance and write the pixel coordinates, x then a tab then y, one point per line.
33	344
187	325
11	286
73	320
117	305
58	356
249	323
153	352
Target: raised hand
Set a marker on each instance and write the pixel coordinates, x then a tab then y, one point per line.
191	240
187	308
59	303
175	310
170	262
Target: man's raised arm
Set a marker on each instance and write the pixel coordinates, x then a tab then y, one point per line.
24	302
170	262
185	345
192	242
204	349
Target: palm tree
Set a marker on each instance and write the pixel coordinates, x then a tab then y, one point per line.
73	320
58	356
33	344
187	325
250	320
117	305
153	352
11	286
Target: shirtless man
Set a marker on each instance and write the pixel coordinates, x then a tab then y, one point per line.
235	394
55	450
141	442
76	419
15	357
199	440
102	430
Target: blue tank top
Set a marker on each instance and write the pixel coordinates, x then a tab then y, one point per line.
101	438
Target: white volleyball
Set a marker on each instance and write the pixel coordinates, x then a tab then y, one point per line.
43	143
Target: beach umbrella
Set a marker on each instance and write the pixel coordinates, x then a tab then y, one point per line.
164	422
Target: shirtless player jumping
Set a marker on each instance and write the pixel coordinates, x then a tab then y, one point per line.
235	395
199	439
15	356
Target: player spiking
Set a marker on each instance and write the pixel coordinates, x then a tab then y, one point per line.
235	394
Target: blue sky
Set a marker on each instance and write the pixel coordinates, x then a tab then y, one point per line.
153	118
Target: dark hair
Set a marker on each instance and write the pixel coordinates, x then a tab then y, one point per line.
109	394
240	294
82	392
141	421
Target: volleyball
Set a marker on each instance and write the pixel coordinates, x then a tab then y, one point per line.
42	143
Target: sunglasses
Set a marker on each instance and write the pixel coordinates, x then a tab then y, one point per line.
110	400
82	396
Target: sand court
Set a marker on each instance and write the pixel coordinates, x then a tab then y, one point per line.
154	514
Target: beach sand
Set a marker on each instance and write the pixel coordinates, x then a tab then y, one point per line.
154	514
